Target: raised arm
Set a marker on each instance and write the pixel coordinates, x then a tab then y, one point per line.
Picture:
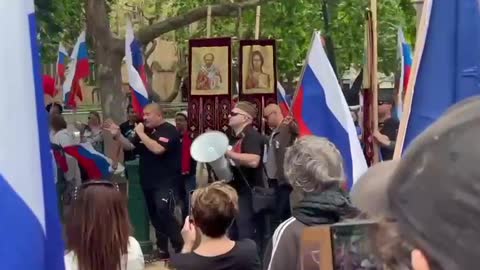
151	144
114	129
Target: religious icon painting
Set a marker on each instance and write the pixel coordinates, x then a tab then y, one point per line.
209	94
210	62
257	67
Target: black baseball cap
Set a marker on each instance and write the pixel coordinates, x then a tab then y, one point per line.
434	192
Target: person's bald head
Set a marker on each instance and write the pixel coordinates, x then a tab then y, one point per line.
369	193
153	115
273	115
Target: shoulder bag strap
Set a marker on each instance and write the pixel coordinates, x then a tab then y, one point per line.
244	179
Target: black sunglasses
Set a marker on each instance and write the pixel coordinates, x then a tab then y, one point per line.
94	183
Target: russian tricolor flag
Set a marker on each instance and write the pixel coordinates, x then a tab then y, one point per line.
405	53
62	56
136	70
321	110
78	69
29	220
97	166
282	100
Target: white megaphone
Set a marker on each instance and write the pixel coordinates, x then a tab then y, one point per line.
210	147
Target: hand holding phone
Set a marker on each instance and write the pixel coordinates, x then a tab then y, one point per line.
189	234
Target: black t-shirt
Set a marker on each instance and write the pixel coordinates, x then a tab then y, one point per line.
159	171
128	131
243	256
250	142
389	128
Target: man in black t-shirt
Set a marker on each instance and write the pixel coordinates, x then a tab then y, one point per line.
127	129
158	144
388	128
248	146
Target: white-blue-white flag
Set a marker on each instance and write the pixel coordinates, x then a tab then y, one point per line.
29	220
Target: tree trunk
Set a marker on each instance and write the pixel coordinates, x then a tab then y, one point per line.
114	103
107	61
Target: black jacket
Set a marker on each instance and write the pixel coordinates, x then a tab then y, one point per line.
282	138
327	207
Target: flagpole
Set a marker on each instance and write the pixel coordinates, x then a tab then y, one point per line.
374	74
408	99
401	86
299	83
257	22
56	69
209	20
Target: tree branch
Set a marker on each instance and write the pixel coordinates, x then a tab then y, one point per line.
147	34
151	32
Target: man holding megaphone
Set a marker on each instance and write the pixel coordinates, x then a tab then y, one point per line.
158	144
246	153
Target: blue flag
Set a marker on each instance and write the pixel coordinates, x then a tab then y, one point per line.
29	221
450	65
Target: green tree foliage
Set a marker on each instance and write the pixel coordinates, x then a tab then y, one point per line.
58	20
348	32
293	22
290	22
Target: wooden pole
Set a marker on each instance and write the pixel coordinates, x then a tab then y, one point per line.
374	74
209	21
302	73
419	46
240	14
257	23
418	5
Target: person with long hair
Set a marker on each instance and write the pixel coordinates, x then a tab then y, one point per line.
98	230
92	131
256	77
62	137
207	245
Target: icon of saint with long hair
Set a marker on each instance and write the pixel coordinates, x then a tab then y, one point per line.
257	78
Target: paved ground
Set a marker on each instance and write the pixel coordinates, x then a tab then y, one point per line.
157	266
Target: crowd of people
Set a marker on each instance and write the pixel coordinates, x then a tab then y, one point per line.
425	205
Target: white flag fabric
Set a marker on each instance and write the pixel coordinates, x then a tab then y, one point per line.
29	220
